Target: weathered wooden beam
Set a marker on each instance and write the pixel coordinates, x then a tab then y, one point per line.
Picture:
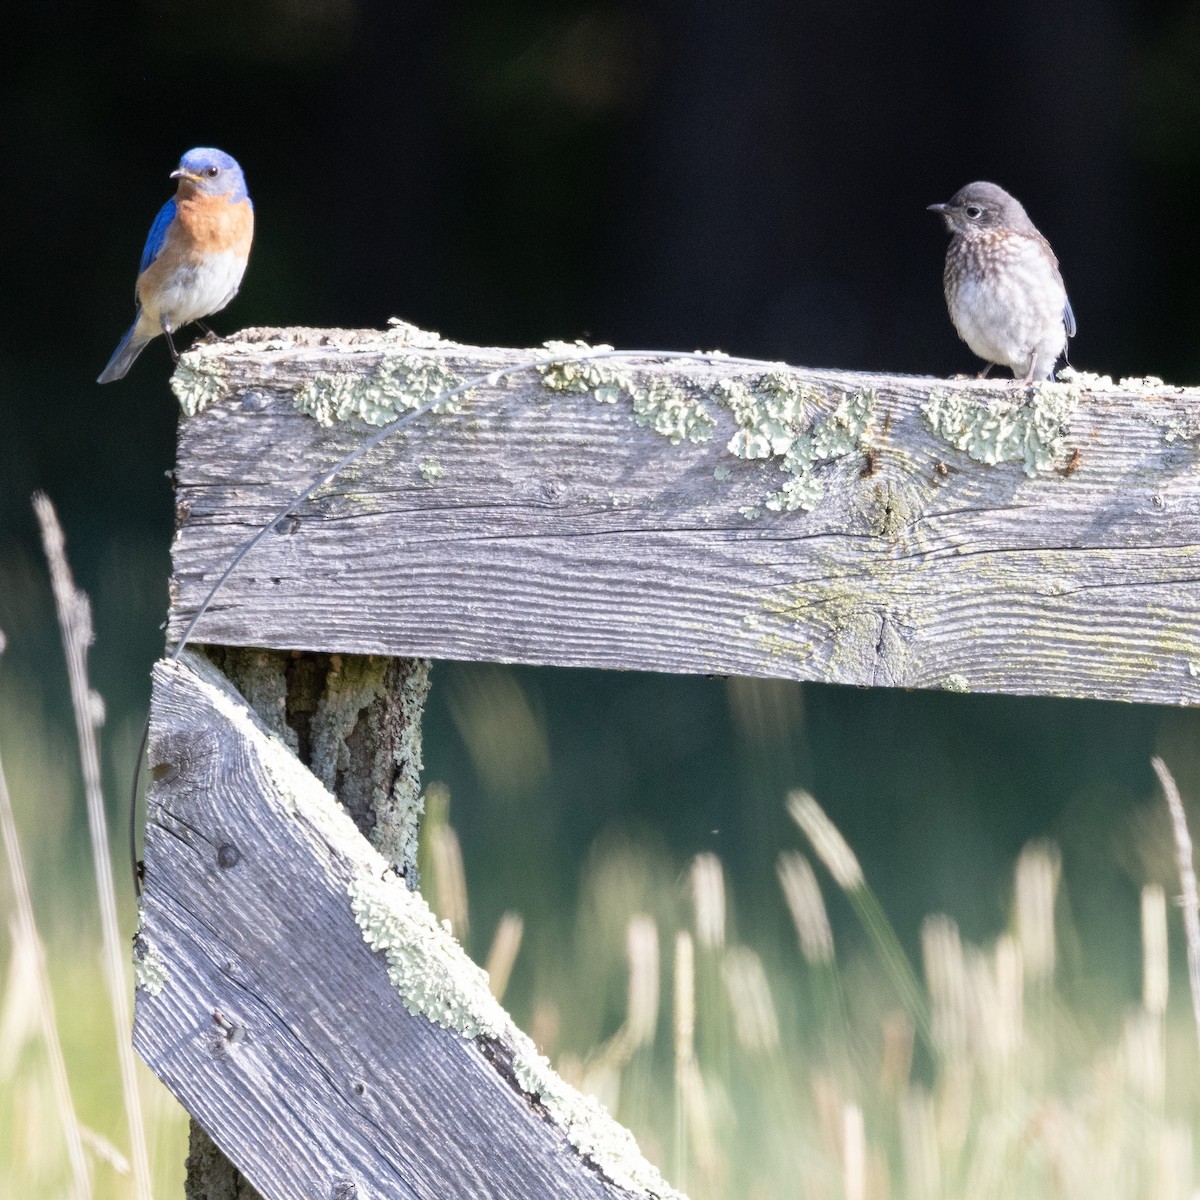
306	1007
821	525
355	721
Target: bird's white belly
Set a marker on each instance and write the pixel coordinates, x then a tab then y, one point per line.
196	289
1013	315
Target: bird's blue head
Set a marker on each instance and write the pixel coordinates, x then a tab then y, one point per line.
211	172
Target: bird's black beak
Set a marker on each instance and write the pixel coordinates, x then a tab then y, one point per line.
937	208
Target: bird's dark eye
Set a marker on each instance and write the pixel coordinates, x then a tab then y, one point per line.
974	211
213	172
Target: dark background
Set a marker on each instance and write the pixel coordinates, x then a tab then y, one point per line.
749	176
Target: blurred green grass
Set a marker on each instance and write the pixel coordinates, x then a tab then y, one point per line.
610	812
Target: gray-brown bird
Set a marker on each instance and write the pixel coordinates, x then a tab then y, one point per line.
1003	288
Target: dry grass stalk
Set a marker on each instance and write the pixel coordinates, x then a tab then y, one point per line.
695	1128
545	1026
766	711
504	736
1065	1140
601	1077
992	1145
1037	874
707	879
80	1183
602	1072
805	903
698	1119
997	1002
827	841
684	999
854	1153
955	1097
1156	967
506	943
755	1024
895	1067
641	1018
919	1145
449	879
834	851
1145	1056
946	979
75	624
1173	1164
829	1103
1190	900
104	1150
19	1020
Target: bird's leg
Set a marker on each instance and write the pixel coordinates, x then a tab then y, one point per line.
170	340
984	373
209	331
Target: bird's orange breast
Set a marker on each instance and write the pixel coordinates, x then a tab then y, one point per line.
213	225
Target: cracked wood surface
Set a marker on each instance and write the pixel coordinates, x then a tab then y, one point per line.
562	532
275	1025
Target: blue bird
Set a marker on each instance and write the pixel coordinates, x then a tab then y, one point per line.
195	255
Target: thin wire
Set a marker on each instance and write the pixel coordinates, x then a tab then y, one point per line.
491	378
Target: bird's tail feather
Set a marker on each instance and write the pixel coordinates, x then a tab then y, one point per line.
132	344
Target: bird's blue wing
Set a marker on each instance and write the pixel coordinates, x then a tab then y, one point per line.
1069	319
157	234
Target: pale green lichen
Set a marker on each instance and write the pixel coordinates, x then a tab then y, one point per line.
769	414
777	416
401	381
201	377
956	683
1086	380
427	966
605	379
437	980
149	968
804	492
775	419
831	437
1026	428
199	380
669	410
664	406
1090	381
431	469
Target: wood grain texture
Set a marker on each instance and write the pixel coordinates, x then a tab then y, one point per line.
562	532
355	722
275	1025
